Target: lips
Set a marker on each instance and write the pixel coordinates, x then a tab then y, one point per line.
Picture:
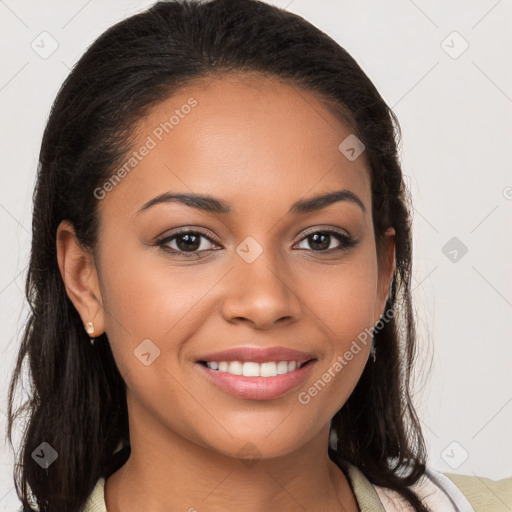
257	387
258	355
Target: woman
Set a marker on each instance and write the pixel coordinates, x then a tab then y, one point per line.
220	210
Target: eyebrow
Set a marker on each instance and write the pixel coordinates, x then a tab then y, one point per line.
215	205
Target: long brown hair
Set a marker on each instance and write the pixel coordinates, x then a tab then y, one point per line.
78	401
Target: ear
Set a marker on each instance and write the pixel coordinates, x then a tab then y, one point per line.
386	269
80	277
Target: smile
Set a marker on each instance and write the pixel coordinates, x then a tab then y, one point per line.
252	369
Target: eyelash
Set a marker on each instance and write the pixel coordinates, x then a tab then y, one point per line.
346	240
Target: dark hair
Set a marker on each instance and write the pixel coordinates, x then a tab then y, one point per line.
78	404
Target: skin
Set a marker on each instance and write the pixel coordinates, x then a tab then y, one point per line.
260	145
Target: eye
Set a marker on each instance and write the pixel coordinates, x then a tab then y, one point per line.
321	241
188	243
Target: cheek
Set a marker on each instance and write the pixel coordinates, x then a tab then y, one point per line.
342	298
144	300
152	310
343	303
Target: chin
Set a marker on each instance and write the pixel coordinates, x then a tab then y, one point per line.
250	445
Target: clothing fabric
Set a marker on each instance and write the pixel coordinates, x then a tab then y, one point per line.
435	489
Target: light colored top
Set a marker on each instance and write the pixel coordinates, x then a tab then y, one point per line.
440	492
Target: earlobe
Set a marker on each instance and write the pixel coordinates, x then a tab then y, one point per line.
78	272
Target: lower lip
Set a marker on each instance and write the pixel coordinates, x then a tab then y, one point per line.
258	388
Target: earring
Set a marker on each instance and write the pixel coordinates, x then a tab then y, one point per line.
90	330
373	350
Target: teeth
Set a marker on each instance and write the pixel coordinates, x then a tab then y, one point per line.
282	367
235	368
252	369
268	370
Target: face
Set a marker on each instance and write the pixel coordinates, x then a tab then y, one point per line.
264	281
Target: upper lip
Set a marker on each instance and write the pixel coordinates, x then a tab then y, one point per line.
259	355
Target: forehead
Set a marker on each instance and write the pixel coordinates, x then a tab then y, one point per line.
244	138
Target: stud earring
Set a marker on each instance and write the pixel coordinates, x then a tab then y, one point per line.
89	328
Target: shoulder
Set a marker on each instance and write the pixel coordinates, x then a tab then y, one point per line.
457	493
484	494
96	500
445	492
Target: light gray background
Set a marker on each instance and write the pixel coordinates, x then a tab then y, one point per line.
455	111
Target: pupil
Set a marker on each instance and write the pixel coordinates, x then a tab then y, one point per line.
324	244
190	243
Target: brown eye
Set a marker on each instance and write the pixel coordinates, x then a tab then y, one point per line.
321	241
187	243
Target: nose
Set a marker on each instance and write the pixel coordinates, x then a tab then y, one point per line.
261	293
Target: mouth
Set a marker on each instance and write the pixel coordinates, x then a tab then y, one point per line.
257	374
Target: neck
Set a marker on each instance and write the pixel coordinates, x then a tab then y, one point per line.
167	471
